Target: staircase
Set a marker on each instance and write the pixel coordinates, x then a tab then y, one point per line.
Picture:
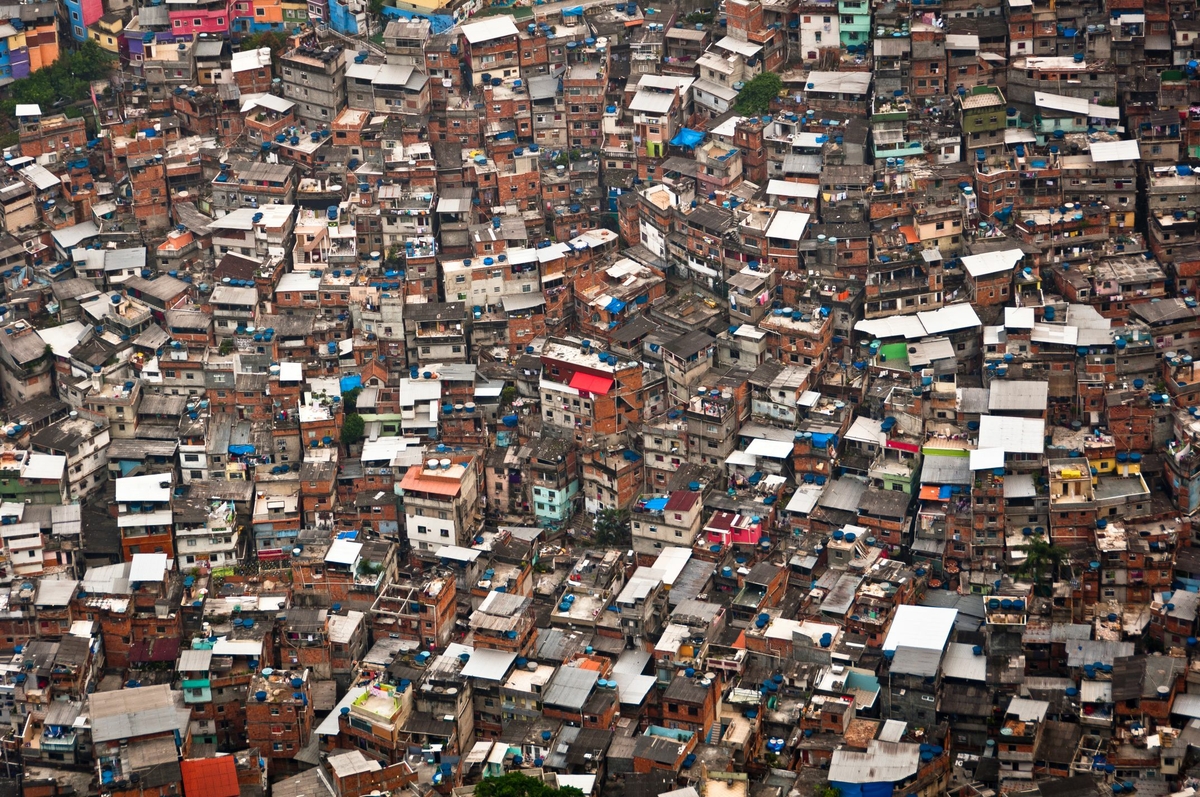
361	44
714	734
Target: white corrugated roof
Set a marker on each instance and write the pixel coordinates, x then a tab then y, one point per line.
147	567
1108	151
925	627
987	458
41	177
251	59
153	487
1055	333
488	664
268	101
44	466
961	662
1015	395
992	262
1075	105
1019	485
793	189
742	48
1019	317
741	458
772	449
363	71
343	552
788	225
883	762
1012	435
1027	710
949	318
647	101
896	326
867	430
486	30
329	725
1019	135
838	82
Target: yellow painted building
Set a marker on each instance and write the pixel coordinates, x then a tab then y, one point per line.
106	32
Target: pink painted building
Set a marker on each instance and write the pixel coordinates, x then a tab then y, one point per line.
201	17
82	14
729	528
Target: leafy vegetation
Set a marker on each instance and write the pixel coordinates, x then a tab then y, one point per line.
273	40
699	18
1041	558
66	80
755	97
353	428
514	784
611	528
369	568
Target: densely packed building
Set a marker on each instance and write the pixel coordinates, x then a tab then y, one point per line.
792	398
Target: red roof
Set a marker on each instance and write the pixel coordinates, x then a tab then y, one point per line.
590	383
681	501
158	649
210	777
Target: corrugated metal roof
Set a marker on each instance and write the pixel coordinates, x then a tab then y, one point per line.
883	762
570	688
961	662
920	662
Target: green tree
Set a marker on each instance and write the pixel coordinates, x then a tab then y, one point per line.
826	790
350	399
611	528
515	784
755	97
273	40
353	428
66	80
1041	558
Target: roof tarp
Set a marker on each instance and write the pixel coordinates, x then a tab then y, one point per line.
577	11
438	23
863	789
615	306
687	138
590	383
241	451
349	383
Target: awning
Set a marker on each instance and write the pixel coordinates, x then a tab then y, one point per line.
590	383
687	138
615	306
